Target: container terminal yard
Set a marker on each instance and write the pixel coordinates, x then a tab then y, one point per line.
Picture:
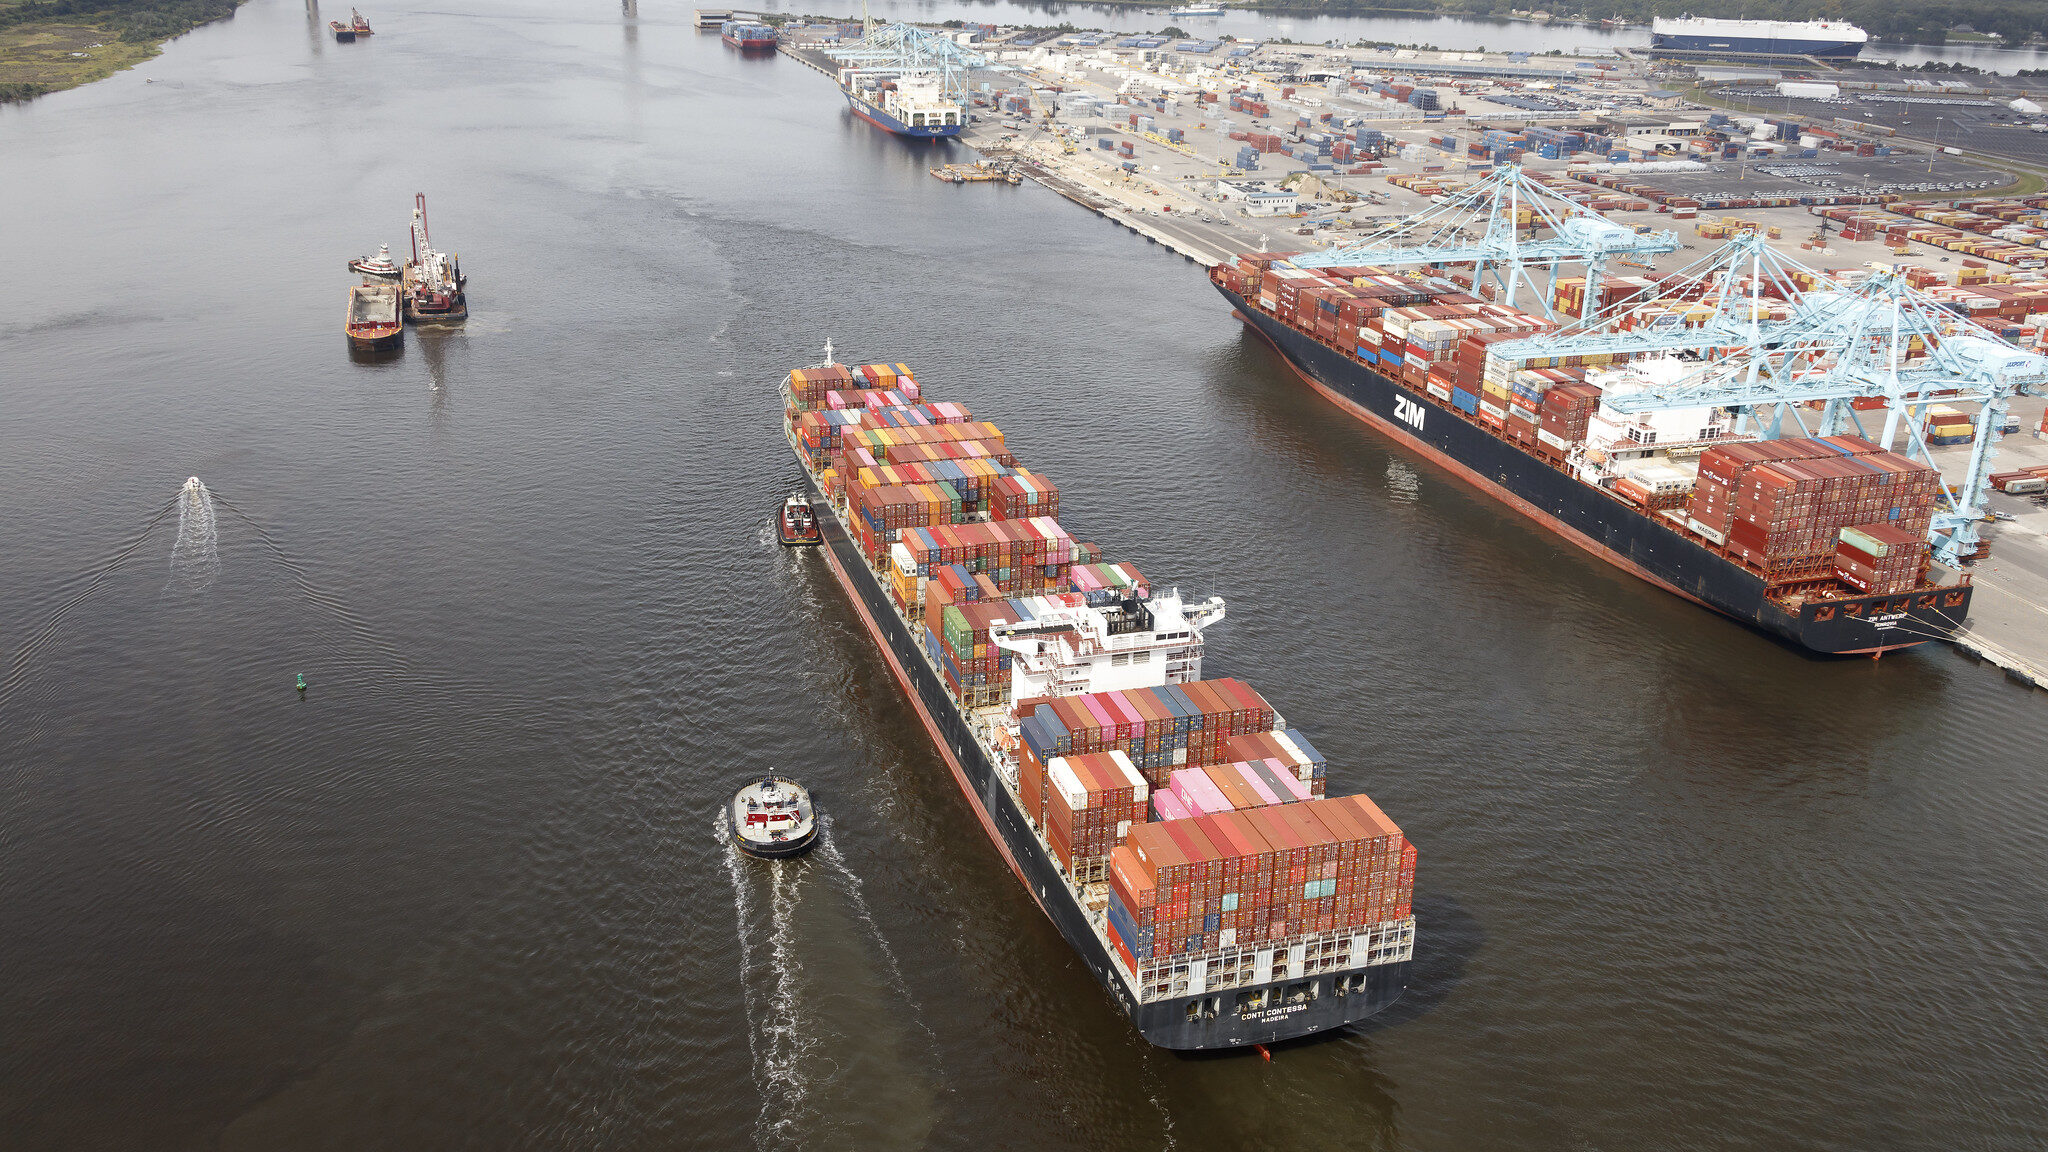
1220	149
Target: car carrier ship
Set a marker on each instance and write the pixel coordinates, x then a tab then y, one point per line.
1821	542
1176	830
1700	35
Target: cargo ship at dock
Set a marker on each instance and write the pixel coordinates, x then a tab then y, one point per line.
1699	35
1819	542
913	105
747	36
1176	830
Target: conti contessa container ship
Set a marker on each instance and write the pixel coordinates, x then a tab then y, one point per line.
1175	828
1819	541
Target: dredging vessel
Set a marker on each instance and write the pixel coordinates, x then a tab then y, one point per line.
433	280
1176	829
1777	534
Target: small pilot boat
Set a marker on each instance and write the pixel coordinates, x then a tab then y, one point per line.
773	818
797	526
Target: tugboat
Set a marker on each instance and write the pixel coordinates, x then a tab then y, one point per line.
342	32
433	280
360	25
773	818
374	322
797	527
378	267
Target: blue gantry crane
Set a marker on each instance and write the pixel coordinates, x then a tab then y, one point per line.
1481	225
907	50
1767	339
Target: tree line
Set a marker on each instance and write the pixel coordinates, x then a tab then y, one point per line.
1922	21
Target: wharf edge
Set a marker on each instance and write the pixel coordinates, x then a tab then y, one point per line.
1069	189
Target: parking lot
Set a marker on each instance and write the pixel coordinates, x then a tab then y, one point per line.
1977	124
1830	172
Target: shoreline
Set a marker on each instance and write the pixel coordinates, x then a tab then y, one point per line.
41	57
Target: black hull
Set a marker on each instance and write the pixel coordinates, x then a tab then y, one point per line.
1165	1023
781	850
1602	524
456	313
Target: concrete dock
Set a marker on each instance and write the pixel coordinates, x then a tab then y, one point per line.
1174	194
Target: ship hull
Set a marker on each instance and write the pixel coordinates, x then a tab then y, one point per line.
1166	1023
750	45
378	339
1754	46
1600	524
880	118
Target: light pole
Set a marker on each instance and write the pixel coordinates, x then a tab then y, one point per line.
1936	151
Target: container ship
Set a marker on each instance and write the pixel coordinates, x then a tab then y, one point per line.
1175	828
1830	39
1821	541
908	104
747	36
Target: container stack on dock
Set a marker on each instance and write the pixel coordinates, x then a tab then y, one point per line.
1081	685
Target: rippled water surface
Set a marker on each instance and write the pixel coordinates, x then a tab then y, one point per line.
1680	887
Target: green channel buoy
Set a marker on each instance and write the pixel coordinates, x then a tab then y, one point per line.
302	681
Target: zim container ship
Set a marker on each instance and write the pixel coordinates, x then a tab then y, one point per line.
1821	542
1175	829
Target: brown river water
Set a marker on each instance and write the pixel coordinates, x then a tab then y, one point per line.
1680	886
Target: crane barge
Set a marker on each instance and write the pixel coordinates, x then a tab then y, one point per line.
433	280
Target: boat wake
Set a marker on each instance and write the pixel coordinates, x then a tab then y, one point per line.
89	585
776	1037
828	851
195	556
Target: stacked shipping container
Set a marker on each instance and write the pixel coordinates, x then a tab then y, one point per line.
1448	347
1781	505
1184	887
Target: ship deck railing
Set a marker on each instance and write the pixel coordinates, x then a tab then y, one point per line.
1291	958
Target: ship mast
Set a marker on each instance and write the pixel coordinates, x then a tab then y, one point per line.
423	255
